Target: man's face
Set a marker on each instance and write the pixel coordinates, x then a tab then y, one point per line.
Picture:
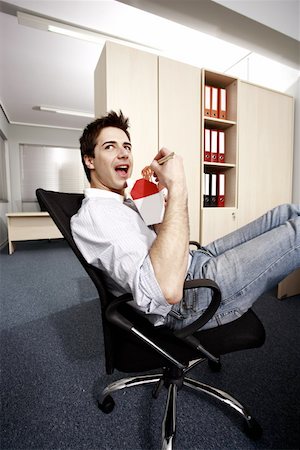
112	163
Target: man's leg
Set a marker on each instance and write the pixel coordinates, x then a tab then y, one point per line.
244	264
251	268
272	219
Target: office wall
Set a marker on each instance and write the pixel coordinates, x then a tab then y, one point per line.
4	205
280	15
20	134
295	92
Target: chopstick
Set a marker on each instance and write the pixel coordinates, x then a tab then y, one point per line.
147	172
165	158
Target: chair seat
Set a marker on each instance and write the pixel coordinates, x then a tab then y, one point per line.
132	355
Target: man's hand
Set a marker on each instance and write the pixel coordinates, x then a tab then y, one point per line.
169	252
171	173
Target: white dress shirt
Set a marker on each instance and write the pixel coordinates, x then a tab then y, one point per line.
113	237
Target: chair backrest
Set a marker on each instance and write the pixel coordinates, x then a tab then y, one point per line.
61	207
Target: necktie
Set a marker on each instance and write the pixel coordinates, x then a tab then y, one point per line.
130	203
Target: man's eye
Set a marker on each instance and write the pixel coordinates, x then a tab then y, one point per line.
128	148
109	147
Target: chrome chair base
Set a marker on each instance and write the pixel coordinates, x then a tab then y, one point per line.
174	379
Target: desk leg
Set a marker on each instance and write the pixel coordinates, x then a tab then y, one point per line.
11	247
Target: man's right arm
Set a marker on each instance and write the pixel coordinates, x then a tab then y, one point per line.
169	252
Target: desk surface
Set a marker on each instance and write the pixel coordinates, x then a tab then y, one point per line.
28	214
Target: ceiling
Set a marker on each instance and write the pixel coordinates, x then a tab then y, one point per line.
39	68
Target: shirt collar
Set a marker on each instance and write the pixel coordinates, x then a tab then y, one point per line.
102	193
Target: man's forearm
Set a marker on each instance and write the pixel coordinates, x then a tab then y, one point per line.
169	252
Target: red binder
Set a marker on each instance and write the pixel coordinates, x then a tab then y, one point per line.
221	190
222	103
221	146
207	100
214	101
207	152
214	145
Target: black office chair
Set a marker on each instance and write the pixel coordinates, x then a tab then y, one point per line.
133	344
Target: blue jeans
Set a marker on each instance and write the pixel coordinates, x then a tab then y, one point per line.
245	264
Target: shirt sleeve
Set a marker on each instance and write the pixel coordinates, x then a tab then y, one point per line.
114	238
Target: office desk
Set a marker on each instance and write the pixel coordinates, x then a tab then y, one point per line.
26	226
289	286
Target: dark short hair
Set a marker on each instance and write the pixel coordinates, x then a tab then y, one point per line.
91	132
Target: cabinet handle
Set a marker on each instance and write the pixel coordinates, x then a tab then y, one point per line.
233	215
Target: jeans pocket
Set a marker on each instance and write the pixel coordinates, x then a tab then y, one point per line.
195	301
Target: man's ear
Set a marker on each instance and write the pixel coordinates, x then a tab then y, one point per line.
89	161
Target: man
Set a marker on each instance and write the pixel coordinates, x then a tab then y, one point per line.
152	263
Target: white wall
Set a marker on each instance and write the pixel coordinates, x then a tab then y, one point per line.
295	92
4	206
19	134
281	15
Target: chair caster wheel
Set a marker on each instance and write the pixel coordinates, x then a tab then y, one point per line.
252	429
215	366
107	405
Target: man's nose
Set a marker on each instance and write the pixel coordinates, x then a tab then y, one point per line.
123	152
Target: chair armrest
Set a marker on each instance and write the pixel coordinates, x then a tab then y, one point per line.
114	316
196	243
208	313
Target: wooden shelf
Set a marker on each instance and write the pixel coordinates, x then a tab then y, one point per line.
213	215
221	124
219	165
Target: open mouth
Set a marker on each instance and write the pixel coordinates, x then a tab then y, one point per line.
122	170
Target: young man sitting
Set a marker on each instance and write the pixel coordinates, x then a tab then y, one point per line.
152	263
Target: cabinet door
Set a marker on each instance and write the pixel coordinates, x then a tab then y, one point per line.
216	223
126	79
179	125
265	121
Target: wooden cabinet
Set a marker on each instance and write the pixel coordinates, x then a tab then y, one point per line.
179	125
265	122
161	97
217	222
126	79
164	100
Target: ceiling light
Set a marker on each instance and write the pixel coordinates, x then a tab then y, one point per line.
68	112
91	37
41	23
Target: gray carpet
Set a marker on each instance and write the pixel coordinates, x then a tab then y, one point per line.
52	367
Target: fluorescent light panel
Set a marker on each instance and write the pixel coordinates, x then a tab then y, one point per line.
68	112
40	23
77	34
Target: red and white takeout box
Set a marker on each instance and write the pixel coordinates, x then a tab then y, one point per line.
149	201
